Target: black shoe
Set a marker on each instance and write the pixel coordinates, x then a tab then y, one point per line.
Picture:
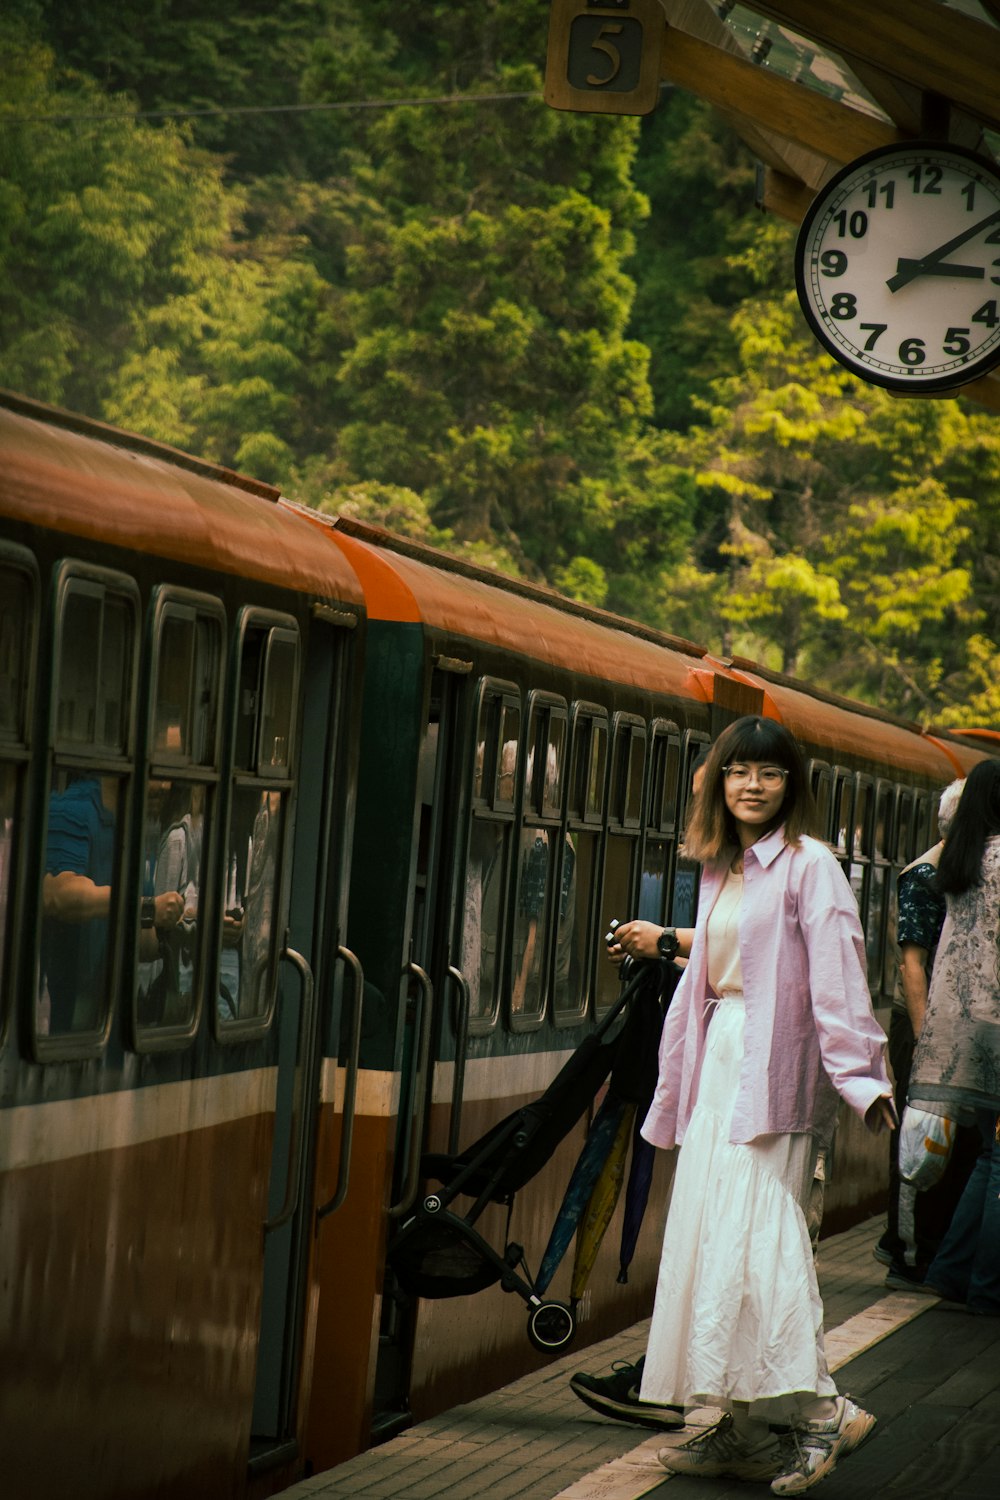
904	1278
883	1251
617	1395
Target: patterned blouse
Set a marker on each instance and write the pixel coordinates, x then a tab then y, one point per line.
957	1061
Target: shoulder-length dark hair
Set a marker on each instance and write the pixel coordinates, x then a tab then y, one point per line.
976	819
712	829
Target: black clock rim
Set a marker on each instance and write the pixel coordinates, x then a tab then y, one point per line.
901	384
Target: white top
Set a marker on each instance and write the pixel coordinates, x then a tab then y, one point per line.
725	973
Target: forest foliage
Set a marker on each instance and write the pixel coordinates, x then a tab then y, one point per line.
349	250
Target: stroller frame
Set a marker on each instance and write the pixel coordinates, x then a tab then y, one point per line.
439	1253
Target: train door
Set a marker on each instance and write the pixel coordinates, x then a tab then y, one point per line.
296	951
436	1005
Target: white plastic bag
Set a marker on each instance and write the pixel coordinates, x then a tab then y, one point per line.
925	1145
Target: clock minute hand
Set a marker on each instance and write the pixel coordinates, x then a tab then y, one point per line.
925	265
938	268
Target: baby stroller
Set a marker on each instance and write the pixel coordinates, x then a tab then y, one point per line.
439	1253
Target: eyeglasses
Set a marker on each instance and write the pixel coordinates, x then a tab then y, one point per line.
770	777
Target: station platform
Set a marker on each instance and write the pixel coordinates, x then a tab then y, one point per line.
927	1370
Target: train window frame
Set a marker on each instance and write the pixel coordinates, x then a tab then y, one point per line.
587	797
860	857
821	775
538	811
169	603
696	742
880	874
628	730
661	799
925	829
583	818
494	698
15	755
663	810
842	820
622	841
72	576
905	823
238	776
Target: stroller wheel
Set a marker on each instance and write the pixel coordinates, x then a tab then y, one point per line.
551	1326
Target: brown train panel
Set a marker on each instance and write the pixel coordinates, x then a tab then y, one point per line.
130	1302
141	498
347	1263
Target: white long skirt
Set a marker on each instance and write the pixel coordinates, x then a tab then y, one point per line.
738	1315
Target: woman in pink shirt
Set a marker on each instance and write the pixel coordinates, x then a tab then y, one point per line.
771	1022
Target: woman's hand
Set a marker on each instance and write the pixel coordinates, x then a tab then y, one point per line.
635	940
880	1115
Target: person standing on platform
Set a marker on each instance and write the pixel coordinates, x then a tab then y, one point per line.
771	1021
956	1067
917	1221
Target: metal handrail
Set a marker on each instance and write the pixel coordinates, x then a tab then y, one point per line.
350	1087
409	1190
461	1040
303	1051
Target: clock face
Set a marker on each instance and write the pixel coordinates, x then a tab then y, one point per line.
897	266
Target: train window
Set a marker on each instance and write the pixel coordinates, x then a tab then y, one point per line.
821	782
664	781
903	834
628	767
93	700
252	864
580	854
589	765
538	860
18	604
660	820
923	820
179	818
555	762
188	656
879	893
487	862
843	808
622	844
861	845
277	718
91	742
687	872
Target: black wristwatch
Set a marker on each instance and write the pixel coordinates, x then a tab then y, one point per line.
668	943
147	911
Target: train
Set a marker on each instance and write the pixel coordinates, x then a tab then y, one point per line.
309	839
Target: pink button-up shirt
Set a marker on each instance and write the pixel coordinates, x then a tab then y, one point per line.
810	1033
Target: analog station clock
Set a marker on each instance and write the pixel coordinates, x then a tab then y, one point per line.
897	266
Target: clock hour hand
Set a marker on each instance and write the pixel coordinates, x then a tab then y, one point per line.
937	268
925	266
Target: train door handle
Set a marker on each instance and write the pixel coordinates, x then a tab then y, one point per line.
350	1085
423	1080
303	1061
461	1041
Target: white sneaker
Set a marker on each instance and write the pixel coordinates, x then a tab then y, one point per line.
810	1450
720	1453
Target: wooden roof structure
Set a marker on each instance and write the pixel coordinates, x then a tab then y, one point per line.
810	86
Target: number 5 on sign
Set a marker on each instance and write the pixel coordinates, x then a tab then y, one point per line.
605	57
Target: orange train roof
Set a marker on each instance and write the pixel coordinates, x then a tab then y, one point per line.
90	480
404	581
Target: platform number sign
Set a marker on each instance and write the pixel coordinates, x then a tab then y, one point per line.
605	58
